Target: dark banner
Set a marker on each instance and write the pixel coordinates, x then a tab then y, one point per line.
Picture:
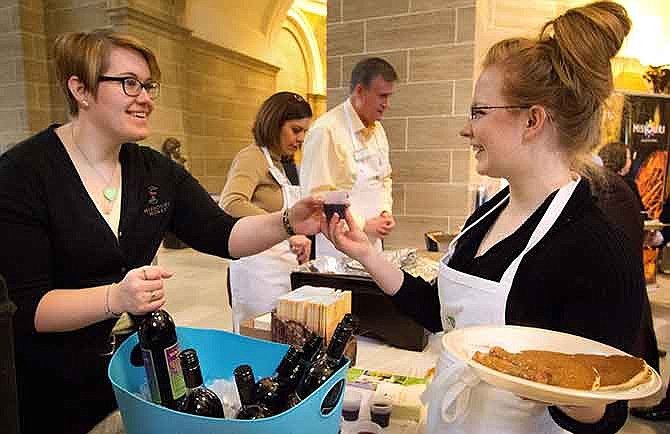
645	128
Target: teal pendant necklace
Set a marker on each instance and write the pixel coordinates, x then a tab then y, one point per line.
109	192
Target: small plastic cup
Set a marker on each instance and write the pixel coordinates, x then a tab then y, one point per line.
335	202
351	405
380	410
365	427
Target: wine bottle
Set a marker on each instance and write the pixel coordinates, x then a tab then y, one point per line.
199	399
273	391
160	354
311	348
246	387
323	368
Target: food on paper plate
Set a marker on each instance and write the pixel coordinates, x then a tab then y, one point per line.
573	371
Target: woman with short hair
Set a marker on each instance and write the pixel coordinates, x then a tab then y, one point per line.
83	209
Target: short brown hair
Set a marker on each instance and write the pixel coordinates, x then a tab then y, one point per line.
274	112
566	69
86	55
368	69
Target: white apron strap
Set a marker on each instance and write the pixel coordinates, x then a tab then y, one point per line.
548	219
291	193
452	243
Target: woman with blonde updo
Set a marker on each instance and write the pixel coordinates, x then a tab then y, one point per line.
539	253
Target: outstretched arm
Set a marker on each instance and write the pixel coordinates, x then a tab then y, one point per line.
254	234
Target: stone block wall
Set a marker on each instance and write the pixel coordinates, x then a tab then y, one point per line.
224	92
431	45
24	96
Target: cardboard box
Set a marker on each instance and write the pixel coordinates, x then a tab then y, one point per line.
257	327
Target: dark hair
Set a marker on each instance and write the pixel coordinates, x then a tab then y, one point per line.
614	156
368	69
274	112
86	55
566	69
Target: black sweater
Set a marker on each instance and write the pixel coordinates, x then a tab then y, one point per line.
581	278
53	236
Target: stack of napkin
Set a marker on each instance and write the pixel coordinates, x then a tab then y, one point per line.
317	308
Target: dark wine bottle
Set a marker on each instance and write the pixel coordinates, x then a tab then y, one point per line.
199	399
246	387
311	348
324	367
273	391
160	353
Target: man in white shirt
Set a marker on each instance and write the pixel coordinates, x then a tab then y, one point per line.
347	149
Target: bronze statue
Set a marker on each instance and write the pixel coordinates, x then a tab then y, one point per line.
172	149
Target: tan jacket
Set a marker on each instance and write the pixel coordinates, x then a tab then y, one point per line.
250	188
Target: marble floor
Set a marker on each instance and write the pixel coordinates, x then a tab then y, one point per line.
197	297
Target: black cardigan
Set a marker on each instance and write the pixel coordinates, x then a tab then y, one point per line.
581	278
53	236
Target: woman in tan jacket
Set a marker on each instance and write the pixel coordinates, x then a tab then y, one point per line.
262	180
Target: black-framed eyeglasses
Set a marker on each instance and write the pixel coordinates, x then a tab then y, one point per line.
133	87
478	111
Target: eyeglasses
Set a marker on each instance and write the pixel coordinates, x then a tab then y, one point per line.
133	87
477	111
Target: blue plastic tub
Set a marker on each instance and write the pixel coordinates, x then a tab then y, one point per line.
219	353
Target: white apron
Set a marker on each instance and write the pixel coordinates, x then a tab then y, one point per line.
256	281
458	403
367	192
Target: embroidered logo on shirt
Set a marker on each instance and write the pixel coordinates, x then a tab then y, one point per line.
155	208
153	194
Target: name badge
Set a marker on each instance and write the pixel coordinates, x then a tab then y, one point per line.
361	154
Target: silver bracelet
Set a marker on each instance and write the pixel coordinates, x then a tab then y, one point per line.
108	310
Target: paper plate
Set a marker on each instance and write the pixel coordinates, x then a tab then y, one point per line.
462	343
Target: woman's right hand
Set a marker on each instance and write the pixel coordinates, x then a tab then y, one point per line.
347	237
141	291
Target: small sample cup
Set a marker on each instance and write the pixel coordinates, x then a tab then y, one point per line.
335	202
366	427
351	405
380	410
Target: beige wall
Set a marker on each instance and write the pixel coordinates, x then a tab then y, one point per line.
431	45
225	90
24	96
293	73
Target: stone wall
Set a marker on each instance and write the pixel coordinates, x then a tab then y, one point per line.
225	90
24	96
431	45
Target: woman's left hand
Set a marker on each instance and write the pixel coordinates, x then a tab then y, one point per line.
306	215
584	414
301	246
